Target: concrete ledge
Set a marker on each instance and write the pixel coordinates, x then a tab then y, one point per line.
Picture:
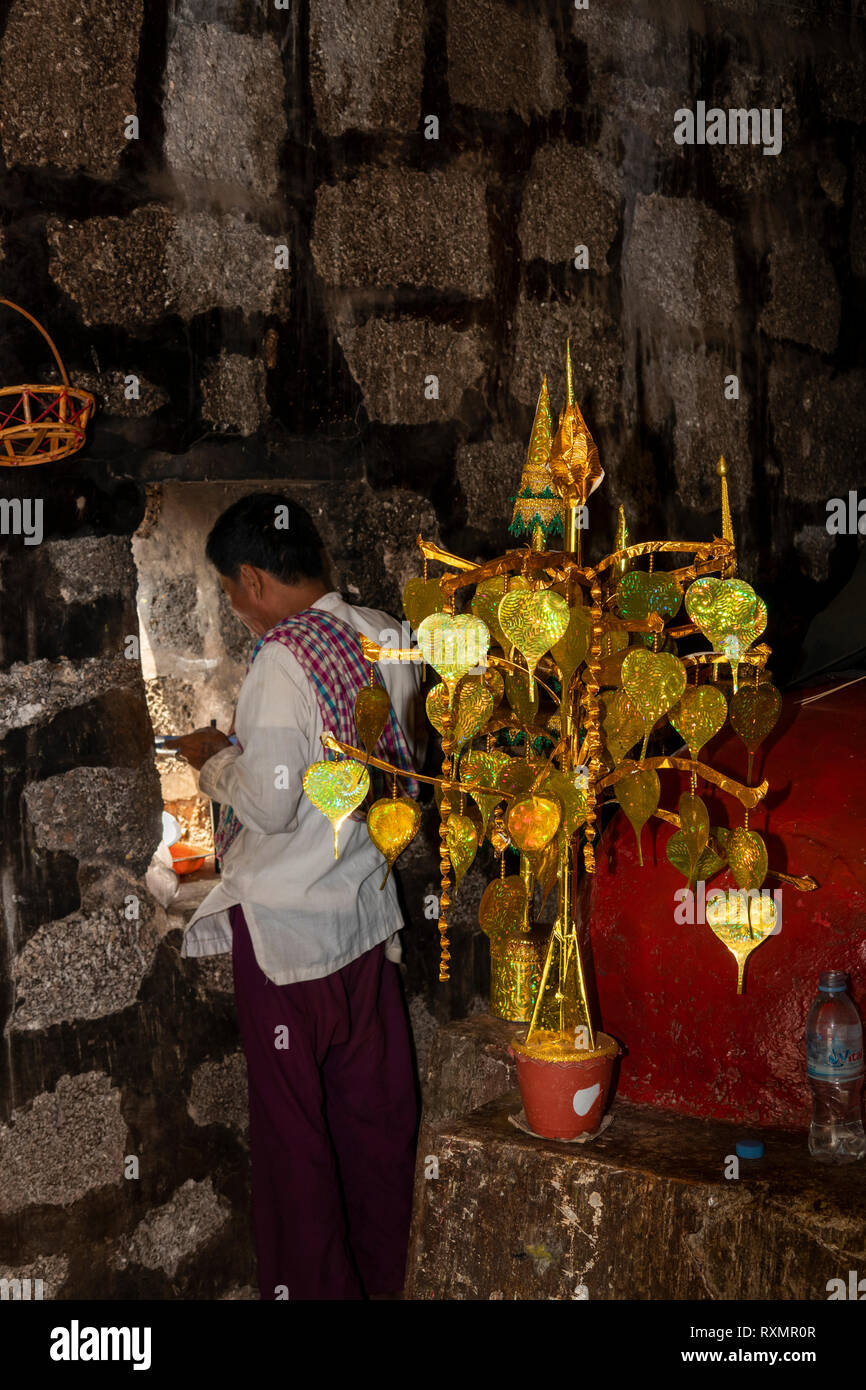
643	1212
469	1065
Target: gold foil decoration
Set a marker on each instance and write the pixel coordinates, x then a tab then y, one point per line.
469	809
709	863
538	509
621	724
638	795
571	649
741	925
372	707
653	683
574	463
747	857
572	792
698	716
623	564
695	830
517	777
462	841
336	789
421	597
503	907
532	822
392	824
453	646
516	963
471	710
547	869
488	596
517	694
613	641
640	594
729	614
551	1045
494	683
479	769
532	622
755	713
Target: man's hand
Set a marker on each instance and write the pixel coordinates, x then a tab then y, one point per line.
198	746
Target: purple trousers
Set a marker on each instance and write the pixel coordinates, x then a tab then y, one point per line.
333	1124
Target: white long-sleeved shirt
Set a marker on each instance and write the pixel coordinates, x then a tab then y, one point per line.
308	914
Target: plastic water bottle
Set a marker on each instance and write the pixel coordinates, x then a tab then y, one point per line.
834	1063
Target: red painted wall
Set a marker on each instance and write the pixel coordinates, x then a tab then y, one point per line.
668	991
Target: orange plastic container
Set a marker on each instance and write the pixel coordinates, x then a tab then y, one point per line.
186	860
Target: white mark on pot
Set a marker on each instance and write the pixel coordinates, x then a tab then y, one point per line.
595	1200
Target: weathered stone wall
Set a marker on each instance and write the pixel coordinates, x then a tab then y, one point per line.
258	286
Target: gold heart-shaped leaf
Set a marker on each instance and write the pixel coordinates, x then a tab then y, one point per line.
453	646
372	707
709	863
517	694
653	682
613	641
572	792
638	795
489	595
469	809
517	777
532	822
755	713
741	925
494	682
621	724
503	909
421	597
640	594
479	769
572	646
747	857
546	866
335	789
392	824
729	614
694	828
698	715
470	711
532	622
461	839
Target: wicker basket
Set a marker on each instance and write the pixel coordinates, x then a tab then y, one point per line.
40	424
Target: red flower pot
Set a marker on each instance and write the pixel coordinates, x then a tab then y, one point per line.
562	1099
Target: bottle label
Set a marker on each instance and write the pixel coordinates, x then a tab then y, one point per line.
839	1059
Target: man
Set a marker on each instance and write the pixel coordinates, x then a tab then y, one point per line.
333	1108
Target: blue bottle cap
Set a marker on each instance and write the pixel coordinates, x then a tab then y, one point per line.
750	1148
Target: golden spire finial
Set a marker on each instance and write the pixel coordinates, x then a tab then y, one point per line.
569	375
538	510
727	523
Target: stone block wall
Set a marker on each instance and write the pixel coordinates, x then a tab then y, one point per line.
258	235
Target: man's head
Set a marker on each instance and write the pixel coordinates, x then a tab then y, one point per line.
269	558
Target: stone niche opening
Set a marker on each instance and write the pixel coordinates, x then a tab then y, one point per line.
194	650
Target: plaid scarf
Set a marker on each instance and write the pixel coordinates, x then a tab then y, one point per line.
328	651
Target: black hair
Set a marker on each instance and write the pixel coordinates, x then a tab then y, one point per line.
271	532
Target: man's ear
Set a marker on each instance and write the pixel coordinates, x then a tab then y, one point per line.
251	578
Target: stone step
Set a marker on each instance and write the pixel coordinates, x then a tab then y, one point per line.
645	1211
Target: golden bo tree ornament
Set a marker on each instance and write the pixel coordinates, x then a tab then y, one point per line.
552	678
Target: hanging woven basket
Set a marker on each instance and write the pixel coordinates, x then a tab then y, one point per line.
40	424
